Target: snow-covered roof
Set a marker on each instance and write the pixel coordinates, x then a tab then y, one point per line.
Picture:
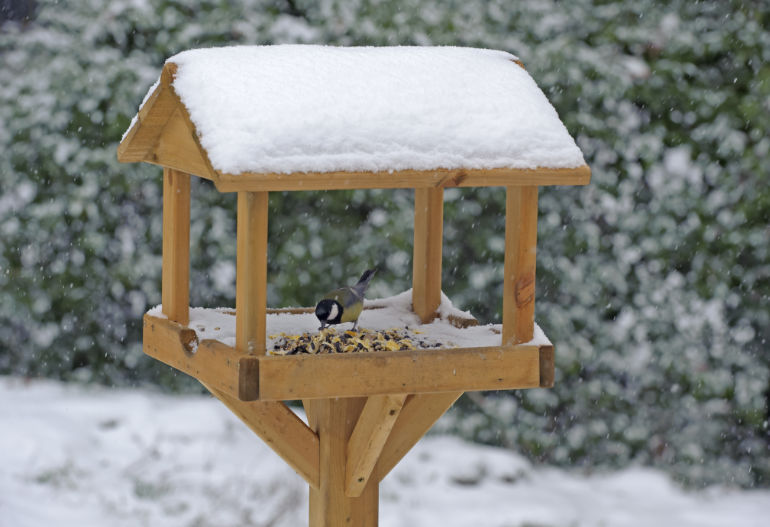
424	115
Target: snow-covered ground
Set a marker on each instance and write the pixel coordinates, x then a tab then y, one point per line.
71	455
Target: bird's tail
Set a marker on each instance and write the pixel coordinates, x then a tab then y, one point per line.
363	283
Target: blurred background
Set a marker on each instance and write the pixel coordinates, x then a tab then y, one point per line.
653	281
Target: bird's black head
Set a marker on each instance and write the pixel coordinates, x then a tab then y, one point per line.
328	312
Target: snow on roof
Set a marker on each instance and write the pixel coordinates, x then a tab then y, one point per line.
299	108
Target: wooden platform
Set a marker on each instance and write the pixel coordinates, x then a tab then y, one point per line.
279	378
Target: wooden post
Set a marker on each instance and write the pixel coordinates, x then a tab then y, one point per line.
175	282
519	281
251	273
428	233
334	420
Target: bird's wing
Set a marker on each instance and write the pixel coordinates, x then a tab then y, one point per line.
353	296
346	296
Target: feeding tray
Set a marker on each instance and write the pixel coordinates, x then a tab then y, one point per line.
257	119
452	353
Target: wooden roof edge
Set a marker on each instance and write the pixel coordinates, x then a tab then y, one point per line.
436	178
156	110
131	148
142	141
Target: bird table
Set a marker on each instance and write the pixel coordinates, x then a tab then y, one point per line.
257	119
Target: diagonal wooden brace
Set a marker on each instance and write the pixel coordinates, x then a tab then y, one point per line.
368	437
419	413
281	429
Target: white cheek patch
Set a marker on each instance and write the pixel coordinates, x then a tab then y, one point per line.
333	312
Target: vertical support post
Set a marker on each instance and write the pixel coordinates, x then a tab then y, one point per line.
426	269
520	248
175	281
251	273
334	420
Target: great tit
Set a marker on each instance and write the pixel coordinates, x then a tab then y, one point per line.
344	304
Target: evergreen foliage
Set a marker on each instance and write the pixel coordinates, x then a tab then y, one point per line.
653	281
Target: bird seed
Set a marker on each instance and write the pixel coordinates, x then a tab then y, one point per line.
330	341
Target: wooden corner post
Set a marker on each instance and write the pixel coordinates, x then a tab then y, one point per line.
334	421
426	269
251	273
175	281
519	280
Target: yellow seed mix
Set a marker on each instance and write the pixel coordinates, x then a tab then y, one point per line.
329	341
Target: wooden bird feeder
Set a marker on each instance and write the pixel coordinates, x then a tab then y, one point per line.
284	118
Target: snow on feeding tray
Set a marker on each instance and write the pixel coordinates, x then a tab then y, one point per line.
453	328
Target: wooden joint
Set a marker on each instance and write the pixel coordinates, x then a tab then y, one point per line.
210	361
547	366
248	378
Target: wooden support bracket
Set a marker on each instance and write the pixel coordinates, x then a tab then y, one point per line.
547	366
369	436
282	430
418	414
